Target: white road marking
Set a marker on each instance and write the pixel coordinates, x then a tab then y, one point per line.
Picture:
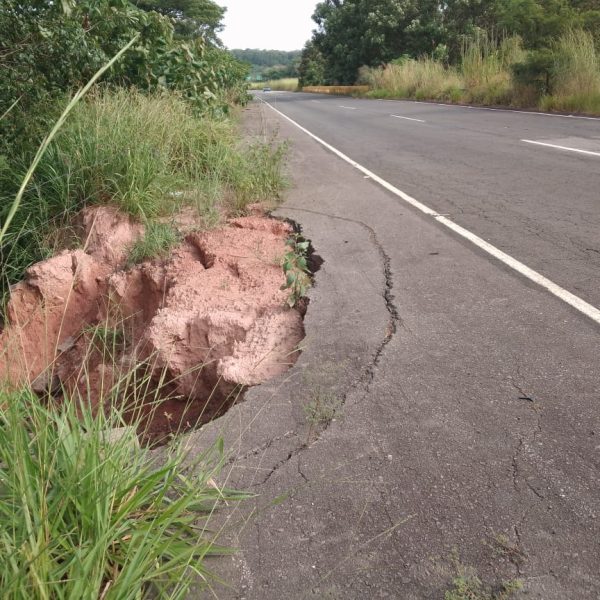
407	118
347	107
562	147
577	303
507	110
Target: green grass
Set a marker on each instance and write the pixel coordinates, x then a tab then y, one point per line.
157	241
86	513
470	587
133	151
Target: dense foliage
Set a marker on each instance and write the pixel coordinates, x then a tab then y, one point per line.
270	64
48	49
355	33
191	18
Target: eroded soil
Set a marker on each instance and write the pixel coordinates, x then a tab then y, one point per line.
177	338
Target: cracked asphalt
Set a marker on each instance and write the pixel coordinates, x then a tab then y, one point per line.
466	429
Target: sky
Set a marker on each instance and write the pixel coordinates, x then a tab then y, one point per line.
267	24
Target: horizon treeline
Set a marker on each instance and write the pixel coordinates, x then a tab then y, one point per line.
351	34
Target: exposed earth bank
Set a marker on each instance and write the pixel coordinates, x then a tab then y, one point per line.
181	336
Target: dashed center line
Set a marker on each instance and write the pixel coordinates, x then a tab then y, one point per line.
407	118
590	152
347	107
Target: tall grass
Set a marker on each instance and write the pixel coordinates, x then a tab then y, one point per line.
486	68
577	74
486	76
421	79
86	513
133	151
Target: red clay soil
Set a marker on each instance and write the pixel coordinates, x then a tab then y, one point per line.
180	336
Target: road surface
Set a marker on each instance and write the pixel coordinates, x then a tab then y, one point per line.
466	431
535	200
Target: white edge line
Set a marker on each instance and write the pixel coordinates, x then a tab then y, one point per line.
577	303
407	118
562	147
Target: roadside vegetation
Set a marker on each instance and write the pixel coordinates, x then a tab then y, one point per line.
289	84
268	65
86	513
85	510
146	148
534	54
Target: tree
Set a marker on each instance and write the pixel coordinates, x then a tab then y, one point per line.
312	66
191	18
354	33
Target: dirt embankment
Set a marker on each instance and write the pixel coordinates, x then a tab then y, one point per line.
180	336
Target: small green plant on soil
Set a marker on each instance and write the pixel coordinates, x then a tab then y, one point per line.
157	241
295	267
86	512
106	340
504	547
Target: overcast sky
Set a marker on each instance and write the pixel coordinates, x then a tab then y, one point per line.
267	24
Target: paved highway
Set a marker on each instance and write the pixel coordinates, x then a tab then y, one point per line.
467	424
528	183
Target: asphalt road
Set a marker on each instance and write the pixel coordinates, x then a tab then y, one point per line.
465	434
538	203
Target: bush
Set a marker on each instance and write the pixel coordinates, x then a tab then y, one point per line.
536	70
48	49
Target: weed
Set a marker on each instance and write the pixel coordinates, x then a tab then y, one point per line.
157	241
323	407
106	340
468	586
295	267
504	547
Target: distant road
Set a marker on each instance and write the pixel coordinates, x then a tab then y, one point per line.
527	183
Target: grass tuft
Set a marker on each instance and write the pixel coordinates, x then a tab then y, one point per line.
85	513
157	241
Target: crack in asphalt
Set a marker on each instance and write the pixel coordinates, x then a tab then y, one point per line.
280	464
258	449
368	375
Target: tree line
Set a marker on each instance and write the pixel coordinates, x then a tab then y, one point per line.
350	34
269	64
